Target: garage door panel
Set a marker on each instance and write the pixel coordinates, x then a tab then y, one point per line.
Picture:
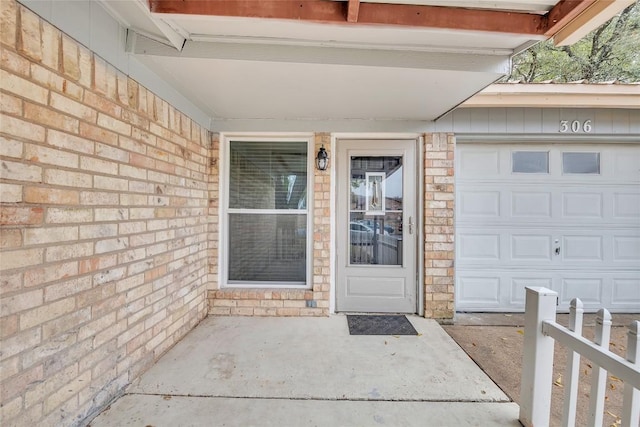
588	289
530	247
479	204
626	206
626	248
626	292
510	224
582	248
480	247
484	163
625	164
526	204
480	291
582	205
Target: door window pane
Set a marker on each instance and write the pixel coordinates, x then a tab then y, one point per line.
530	162
581	163
375	214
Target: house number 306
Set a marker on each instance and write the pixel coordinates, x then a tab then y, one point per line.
575	126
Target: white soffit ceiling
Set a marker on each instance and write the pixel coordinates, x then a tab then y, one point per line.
252	68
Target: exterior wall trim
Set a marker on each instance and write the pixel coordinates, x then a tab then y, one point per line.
558	138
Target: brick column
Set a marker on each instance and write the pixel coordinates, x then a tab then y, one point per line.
439	232
322	228
213	175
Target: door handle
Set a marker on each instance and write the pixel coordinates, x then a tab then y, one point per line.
410	225
557	250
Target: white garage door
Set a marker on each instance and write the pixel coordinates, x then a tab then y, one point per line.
562	216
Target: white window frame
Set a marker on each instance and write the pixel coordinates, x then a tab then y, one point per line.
224	210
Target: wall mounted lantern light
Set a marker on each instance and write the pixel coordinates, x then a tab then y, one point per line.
322	159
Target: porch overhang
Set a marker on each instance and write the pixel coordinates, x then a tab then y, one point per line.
323	60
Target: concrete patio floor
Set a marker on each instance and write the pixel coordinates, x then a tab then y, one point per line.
244	371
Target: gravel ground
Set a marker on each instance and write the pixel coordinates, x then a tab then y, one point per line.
494	342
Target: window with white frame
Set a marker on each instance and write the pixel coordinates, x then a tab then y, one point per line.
267	213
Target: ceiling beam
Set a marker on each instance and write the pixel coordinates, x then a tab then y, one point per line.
368	13
598	12
451	18
353	10
563	13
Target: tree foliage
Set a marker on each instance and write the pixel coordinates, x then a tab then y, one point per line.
611	52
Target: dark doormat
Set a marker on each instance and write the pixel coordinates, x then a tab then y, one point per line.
379	325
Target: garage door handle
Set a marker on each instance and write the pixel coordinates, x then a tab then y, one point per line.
558	250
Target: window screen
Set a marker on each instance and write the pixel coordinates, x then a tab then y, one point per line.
267	213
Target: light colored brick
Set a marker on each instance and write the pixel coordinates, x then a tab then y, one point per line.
10	104
20	342
8	24
11	215
69	142
112	153
109	276
20	171
70	58
95	198
71	107
114	124
111	245
50	118
20	258
39	315
63	252
14	62
10	239
10	193
110	183
10	147
68	215
50	39
21	129
69	389
67	178
29	28
95	133
44	388
96	231
20	302
40	154
50	273
105	78
98	165
38	236
111	214
62	290
50	196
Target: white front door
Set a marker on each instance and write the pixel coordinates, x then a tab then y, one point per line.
376	226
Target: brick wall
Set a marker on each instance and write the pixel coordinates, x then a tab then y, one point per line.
103	221
439	246
282	302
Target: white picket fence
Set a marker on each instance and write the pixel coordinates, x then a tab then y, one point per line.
541	332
